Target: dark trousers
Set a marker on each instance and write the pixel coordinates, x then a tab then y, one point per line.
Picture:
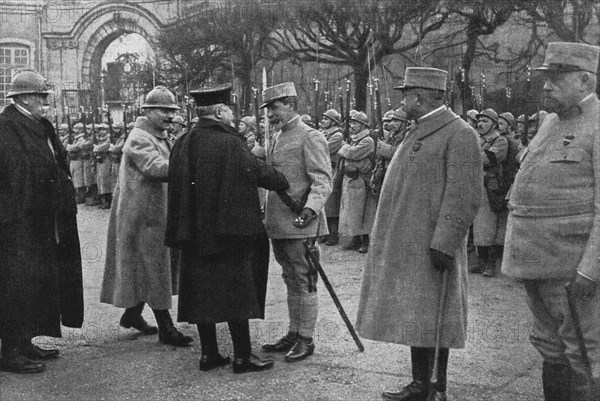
240	336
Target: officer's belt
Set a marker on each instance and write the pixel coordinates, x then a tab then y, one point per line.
552	210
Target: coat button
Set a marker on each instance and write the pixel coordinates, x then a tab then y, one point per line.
447	217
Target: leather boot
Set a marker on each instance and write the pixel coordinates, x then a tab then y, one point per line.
251	364
333	239
414	391
80	196
582	388
490	268
211	358
36	353
354	245
167	333
13	360
435	395
133	318
364	247
284	344
303	348
556	381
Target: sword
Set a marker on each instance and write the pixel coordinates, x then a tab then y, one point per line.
313	261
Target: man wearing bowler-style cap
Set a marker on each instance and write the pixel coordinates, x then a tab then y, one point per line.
302	154
553	230
415	249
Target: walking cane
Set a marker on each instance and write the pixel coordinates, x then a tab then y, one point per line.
438	326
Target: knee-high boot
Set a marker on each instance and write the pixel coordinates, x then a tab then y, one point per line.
167	333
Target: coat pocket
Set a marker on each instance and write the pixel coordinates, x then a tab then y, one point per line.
576	225
567	155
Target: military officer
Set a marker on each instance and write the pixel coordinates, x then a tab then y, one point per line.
412	244
302	155
553	231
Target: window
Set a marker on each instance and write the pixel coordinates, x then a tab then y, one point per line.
12	57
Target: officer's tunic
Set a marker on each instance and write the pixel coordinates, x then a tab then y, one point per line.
553	231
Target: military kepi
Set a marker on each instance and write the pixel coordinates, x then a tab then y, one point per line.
570	57
424	77
216	95
279	91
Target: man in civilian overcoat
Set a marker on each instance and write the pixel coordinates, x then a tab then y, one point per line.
553	229
429	198
214	217
40	260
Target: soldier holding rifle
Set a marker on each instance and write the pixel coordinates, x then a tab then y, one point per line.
419	239
553	230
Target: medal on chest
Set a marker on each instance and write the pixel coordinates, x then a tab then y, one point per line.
415	149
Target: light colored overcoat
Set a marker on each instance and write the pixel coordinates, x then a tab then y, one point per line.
137	261
553	225
429	198
358	204
302	155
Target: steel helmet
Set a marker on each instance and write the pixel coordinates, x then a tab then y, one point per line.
334	115
63	126
160	98
388	115
78	126
399	114
102	126
249	121
472	114
489	113
28	81
360	117
507	115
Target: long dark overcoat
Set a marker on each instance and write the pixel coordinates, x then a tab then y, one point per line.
40	280
214	217
429	198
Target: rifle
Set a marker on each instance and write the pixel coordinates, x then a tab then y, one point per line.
55	115
66	113
257	116
83	119
94	161
379	116
316	81
125	120
188	114
110	127
347	116
341	101
524	139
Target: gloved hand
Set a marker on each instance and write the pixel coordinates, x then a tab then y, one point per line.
305	217
582	287
441	261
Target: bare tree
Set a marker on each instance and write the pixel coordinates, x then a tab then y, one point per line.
219	45
358	34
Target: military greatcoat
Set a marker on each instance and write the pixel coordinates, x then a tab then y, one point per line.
137	265
429	198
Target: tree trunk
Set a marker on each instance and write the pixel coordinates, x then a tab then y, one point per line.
245	76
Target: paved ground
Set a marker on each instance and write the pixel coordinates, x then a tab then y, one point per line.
103	361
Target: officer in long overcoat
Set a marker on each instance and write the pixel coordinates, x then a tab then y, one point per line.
553	230
429	198
214	217
138	268
40	261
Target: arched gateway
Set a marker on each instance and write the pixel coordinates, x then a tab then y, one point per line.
66	39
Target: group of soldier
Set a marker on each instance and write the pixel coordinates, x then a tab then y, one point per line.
407	195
